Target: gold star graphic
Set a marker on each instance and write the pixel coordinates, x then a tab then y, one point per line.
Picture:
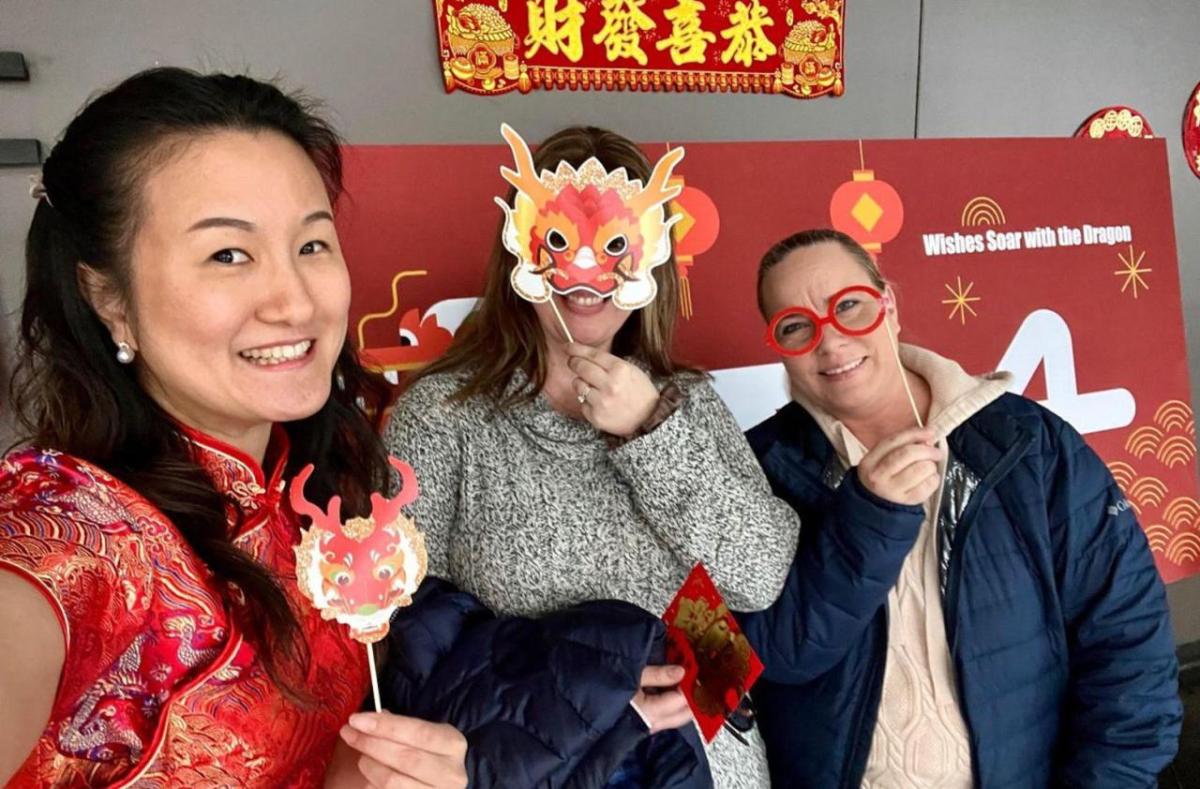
961	301
1133	271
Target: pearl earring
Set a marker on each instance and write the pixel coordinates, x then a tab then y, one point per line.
124	353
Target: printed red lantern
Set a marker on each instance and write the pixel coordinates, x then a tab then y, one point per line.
693	235
867	210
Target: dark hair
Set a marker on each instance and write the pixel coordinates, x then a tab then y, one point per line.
71	394
808	238
502	335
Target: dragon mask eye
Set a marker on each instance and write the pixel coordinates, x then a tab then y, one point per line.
616	246
556	241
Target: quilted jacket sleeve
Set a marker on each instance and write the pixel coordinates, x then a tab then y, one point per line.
843	569
542	702
1123	717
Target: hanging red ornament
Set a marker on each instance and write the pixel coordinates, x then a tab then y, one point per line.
868	210
1191	131
693	235
1118	121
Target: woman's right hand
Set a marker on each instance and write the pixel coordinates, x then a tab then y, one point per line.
398	751
903	469
659	700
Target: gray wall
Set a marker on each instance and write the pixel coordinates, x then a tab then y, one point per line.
1022	67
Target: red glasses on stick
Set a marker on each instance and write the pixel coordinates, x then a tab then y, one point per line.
853	311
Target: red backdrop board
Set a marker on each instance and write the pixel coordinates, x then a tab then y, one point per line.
1053	259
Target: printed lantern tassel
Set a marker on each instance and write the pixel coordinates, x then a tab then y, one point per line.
693	233
685	294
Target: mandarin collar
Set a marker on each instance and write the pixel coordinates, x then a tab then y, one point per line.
238	477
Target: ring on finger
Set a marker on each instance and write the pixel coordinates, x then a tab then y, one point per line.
583	396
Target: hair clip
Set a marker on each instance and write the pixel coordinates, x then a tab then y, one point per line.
37	189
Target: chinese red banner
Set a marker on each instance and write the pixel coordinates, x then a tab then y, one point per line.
1052	259
790	47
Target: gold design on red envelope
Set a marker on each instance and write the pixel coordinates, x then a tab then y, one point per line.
719	664
724	655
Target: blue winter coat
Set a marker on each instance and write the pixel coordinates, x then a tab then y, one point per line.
1055	615
542	702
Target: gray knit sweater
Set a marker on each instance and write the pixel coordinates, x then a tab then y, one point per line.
531	512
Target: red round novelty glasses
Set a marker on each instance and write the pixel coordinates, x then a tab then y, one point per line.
853	311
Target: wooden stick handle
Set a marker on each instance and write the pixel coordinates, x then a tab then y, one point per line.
903	374
561	322
374	676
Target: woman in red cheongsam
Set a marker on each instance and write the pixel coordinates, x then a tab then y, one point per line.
183	356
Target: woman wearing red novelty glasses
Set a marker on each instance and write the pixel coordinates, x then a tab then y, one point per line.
972	602
853	311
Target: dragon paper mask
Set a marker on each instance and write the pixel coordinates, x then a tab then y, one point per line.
360	571
587	229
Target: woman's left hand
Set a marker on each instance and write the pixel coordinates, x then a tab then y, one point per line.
616	396
397	751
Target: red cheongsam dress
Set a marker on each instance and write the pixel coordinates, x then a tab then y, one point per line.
159	688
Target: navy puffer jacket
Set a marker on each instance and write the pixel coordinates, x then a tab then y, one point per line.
1055	615
542	702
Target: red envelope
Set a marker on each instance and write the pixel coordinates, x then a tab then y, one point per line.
719	664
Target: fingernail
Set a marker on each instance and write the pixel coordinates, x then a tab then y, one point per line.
362	722
348	734
677	672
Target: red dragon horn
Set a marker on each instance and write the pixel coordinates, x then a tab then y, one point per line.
328	520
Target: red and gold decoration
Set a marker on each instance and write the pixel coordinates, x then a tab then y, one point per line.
694	234
719	664
1120	122
1132	272
419	339
960	301
359	571
1191	131
868	210
789	47
981	211
1158	456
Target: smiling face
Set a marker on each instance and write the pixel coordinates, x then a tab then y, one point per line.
846	376
238	291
